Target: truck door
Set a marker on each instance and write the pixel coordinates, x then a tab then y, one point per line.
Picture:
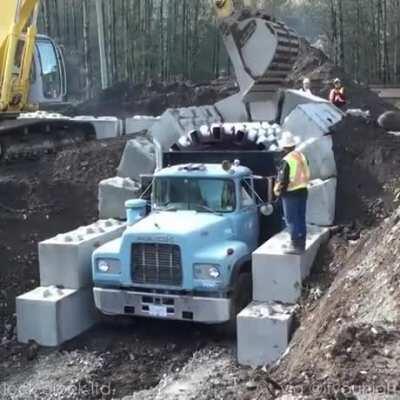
248	222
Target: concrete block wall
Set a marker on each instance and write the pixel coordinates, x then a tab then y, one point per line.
175	123
65	260
63	306
51	316
264	327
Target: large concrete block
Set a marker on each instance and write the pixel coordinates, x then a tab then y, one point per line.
138	159
65	260
312	120
232	108
321	205
278	276
52	316
139	123
105	127
293	98
113	193
263	333
175	123
320	155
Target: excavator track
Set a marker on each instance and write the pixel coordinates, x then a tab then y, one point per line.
26	139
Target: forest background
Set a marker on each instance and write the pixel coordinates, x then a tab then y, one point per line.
179	40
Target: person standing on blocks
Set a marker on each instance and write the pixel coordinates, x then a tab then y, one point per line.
292	187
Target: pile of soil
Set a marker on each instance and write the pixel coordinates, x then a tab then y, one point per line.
153	98
314	64
368	161
350	338
42	198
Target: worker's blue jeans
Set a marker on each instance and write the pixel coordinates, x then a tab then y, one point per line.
294	209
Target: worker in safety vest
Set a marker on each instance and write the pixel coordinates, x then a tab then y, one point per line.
292	187
337	95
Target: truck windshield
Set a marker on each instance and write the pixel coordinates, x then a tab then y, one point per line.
197	194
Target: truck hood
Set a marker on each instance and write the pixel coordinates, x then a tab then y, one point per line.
182	223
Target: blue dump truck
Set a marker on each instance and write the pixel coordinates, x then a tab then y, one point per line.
186	253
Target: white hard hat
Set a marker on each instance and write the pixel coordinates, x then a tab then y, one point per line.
288	140
306	80
337	80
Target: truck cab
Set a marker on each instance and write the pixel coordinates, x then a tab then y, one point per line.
189	257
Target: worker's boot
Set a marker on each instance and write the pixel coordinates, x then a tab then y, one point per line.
300	245
295	247
291	248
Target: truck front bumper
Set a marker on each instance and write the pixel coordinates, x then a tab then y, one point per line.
164	306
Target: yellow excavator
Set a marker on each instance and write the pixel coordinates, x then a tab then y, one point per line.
32	77
32	69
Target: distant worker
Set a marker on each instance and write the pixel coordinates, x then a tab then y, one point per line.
338	96
292	187
306	86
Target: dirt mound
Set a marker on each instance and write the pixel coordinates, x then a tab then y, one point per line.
368	161
313	63
42	198
351	337
126	99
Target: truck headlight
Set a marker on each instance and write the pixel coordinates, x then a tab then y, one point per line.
206	271
108	266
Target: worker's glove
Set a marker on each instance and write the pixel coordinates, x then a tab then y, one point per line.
278	189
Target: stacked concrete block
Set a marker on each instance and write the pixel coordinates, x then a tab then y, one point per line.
232	108
312	120
105	127
175	123
278	277
139	123
51	316
294	98
321	204
65	260
138	158
263	331
113	193
320	155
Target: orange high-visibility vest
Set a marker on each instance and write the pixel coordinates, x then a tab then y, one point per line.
299	171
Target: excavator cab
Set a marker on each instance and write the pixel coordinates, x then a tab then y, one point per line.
48	76
32	71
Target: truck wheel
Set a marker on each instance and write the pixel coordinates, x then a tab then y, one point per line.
241	297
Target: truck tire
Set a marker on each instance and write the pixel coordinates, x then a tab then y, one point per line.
241	297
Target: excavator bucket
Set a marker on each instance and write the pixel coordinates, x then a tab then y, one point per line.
262	49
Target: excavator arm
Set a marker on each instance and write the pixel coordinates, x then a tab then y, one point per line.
263	52
18	19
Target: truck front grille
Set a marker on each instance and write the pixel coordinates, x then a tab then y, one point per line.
157	264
